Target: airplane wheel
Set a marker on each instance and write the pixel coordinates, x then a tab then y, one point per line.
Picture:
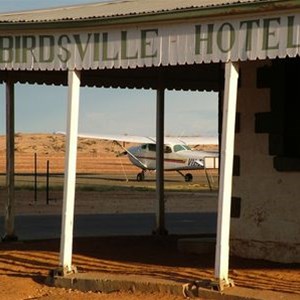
188	177
140	176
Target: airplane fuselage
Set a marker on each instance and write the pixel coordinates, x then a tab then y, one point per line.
176	157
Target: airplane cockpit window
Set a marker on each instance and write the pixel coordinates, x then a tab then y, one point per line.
152	147
167	149
178	148
186	147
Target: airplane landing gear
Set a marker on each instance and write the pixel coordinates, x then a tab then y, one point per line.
187	177
140	176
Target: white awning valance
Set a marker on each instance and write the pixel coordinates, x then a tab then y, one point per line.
176	44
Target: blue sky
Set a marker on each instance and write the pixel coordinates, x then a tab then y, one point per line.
41	108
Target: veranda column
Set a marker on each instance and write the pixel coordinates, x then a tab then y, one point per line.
225	185
160	202
66	245
10	164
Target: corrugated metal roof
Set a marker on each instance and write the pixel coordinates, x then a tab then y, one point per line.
114	9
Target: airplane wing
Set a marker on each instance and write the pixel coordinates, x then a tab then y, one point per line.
120	138
193	140
196	154
151	140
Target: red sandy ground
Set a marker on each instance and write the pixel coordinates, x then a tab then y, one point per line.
24	266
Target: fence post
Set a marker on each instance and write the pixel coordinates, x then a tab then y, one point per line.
47	182
35	177
208	180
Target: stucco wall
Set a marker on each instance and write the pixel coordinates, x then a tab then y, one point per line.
269	223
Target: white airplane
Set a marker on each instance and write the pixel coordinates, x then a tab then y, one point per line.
178	156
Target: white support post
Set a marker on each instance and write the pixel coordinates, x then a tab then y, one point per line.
226	168
10	164
66	244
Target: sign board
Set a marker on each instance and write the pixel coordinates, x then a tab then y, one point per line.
187	43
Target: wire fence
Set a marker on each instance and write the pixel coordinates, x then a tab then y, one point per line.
45	173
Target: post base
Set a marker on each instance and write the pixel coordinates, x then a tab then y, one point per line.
63	271
9	238
160	232
197	288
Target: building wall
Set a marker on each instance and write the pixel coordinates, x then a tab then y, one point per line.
268	226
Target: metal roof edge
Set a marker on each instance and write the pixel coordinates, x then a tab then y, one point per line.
160	16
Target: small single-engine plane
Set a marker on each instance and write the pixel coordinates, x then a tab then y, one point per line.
178	156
